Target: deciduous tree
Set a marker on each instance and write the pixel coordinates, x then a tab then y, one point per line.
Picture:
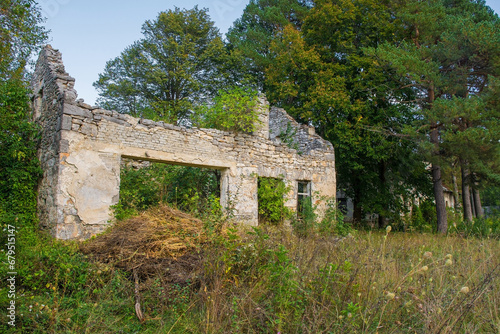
321	74
180	61
20	36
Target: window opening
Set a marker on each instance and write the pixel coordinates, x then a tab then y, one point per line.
342	205
303	196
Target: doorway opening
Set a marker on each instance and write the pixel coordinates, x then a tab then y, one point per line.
144	184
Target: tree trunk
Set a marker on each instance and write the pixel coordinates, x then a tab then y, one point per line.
442	219
472	204
466	192
357	212
455	192
477	203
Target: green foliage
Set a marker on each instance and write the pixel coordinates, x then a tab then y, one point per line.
310	60
491	196
479	228
306	223
233	109
446	59
191	189
20	36
19	166
271	196
283	296
59	290
420	219
252	34
333	222
179	62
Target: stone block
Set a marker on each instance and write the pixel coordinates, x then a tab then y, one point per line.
116	120
71	109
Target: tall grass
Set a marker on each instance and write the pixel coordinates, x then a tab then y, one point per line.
368	283
269	280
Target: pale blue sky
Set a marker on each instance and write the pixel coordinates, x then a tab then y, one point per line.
91	32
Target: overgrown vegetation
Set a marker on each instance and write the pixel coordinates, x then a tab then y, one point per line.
271	194
231	110
259	280
145	184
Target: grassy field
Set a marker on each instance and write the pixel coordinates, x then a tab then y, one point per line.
261	280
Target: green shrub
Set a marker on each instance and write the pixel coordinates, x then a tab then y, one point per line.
305	222
333	222
232	110
480	227
271	197
19	166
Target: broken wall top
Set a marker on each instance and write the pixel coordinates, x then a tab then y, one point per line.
51	81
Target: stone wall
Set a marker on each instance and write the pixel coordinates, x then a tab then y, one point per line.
82	147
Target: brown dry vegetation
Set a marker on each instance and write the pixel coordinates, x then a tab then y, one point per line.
160	242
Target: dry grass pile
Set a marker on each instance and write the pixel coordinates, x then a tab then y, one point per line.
160	241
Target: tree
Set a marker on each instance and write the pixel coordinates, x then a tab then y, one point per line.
252	34
321	75
20	36
448	52
180	61
19	167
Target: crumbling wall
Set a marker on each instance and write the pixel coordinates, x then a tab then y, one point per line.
82	147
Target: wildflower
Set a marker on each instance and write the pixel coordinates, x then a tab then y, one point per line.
390	295
349	315
428	255
341	317
448	256
448	262
464	290
388	228
424	268
359	294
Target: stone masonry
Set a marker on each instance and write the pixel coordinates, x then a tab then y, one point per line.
82	146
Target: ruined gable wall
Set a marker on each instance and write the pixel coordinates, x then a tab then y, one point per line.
84	181
51	86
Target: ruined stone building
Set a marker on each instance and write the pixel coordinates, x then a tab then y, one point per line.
82	146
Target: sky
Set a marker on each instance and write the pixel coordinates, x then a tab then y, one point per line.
89	33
